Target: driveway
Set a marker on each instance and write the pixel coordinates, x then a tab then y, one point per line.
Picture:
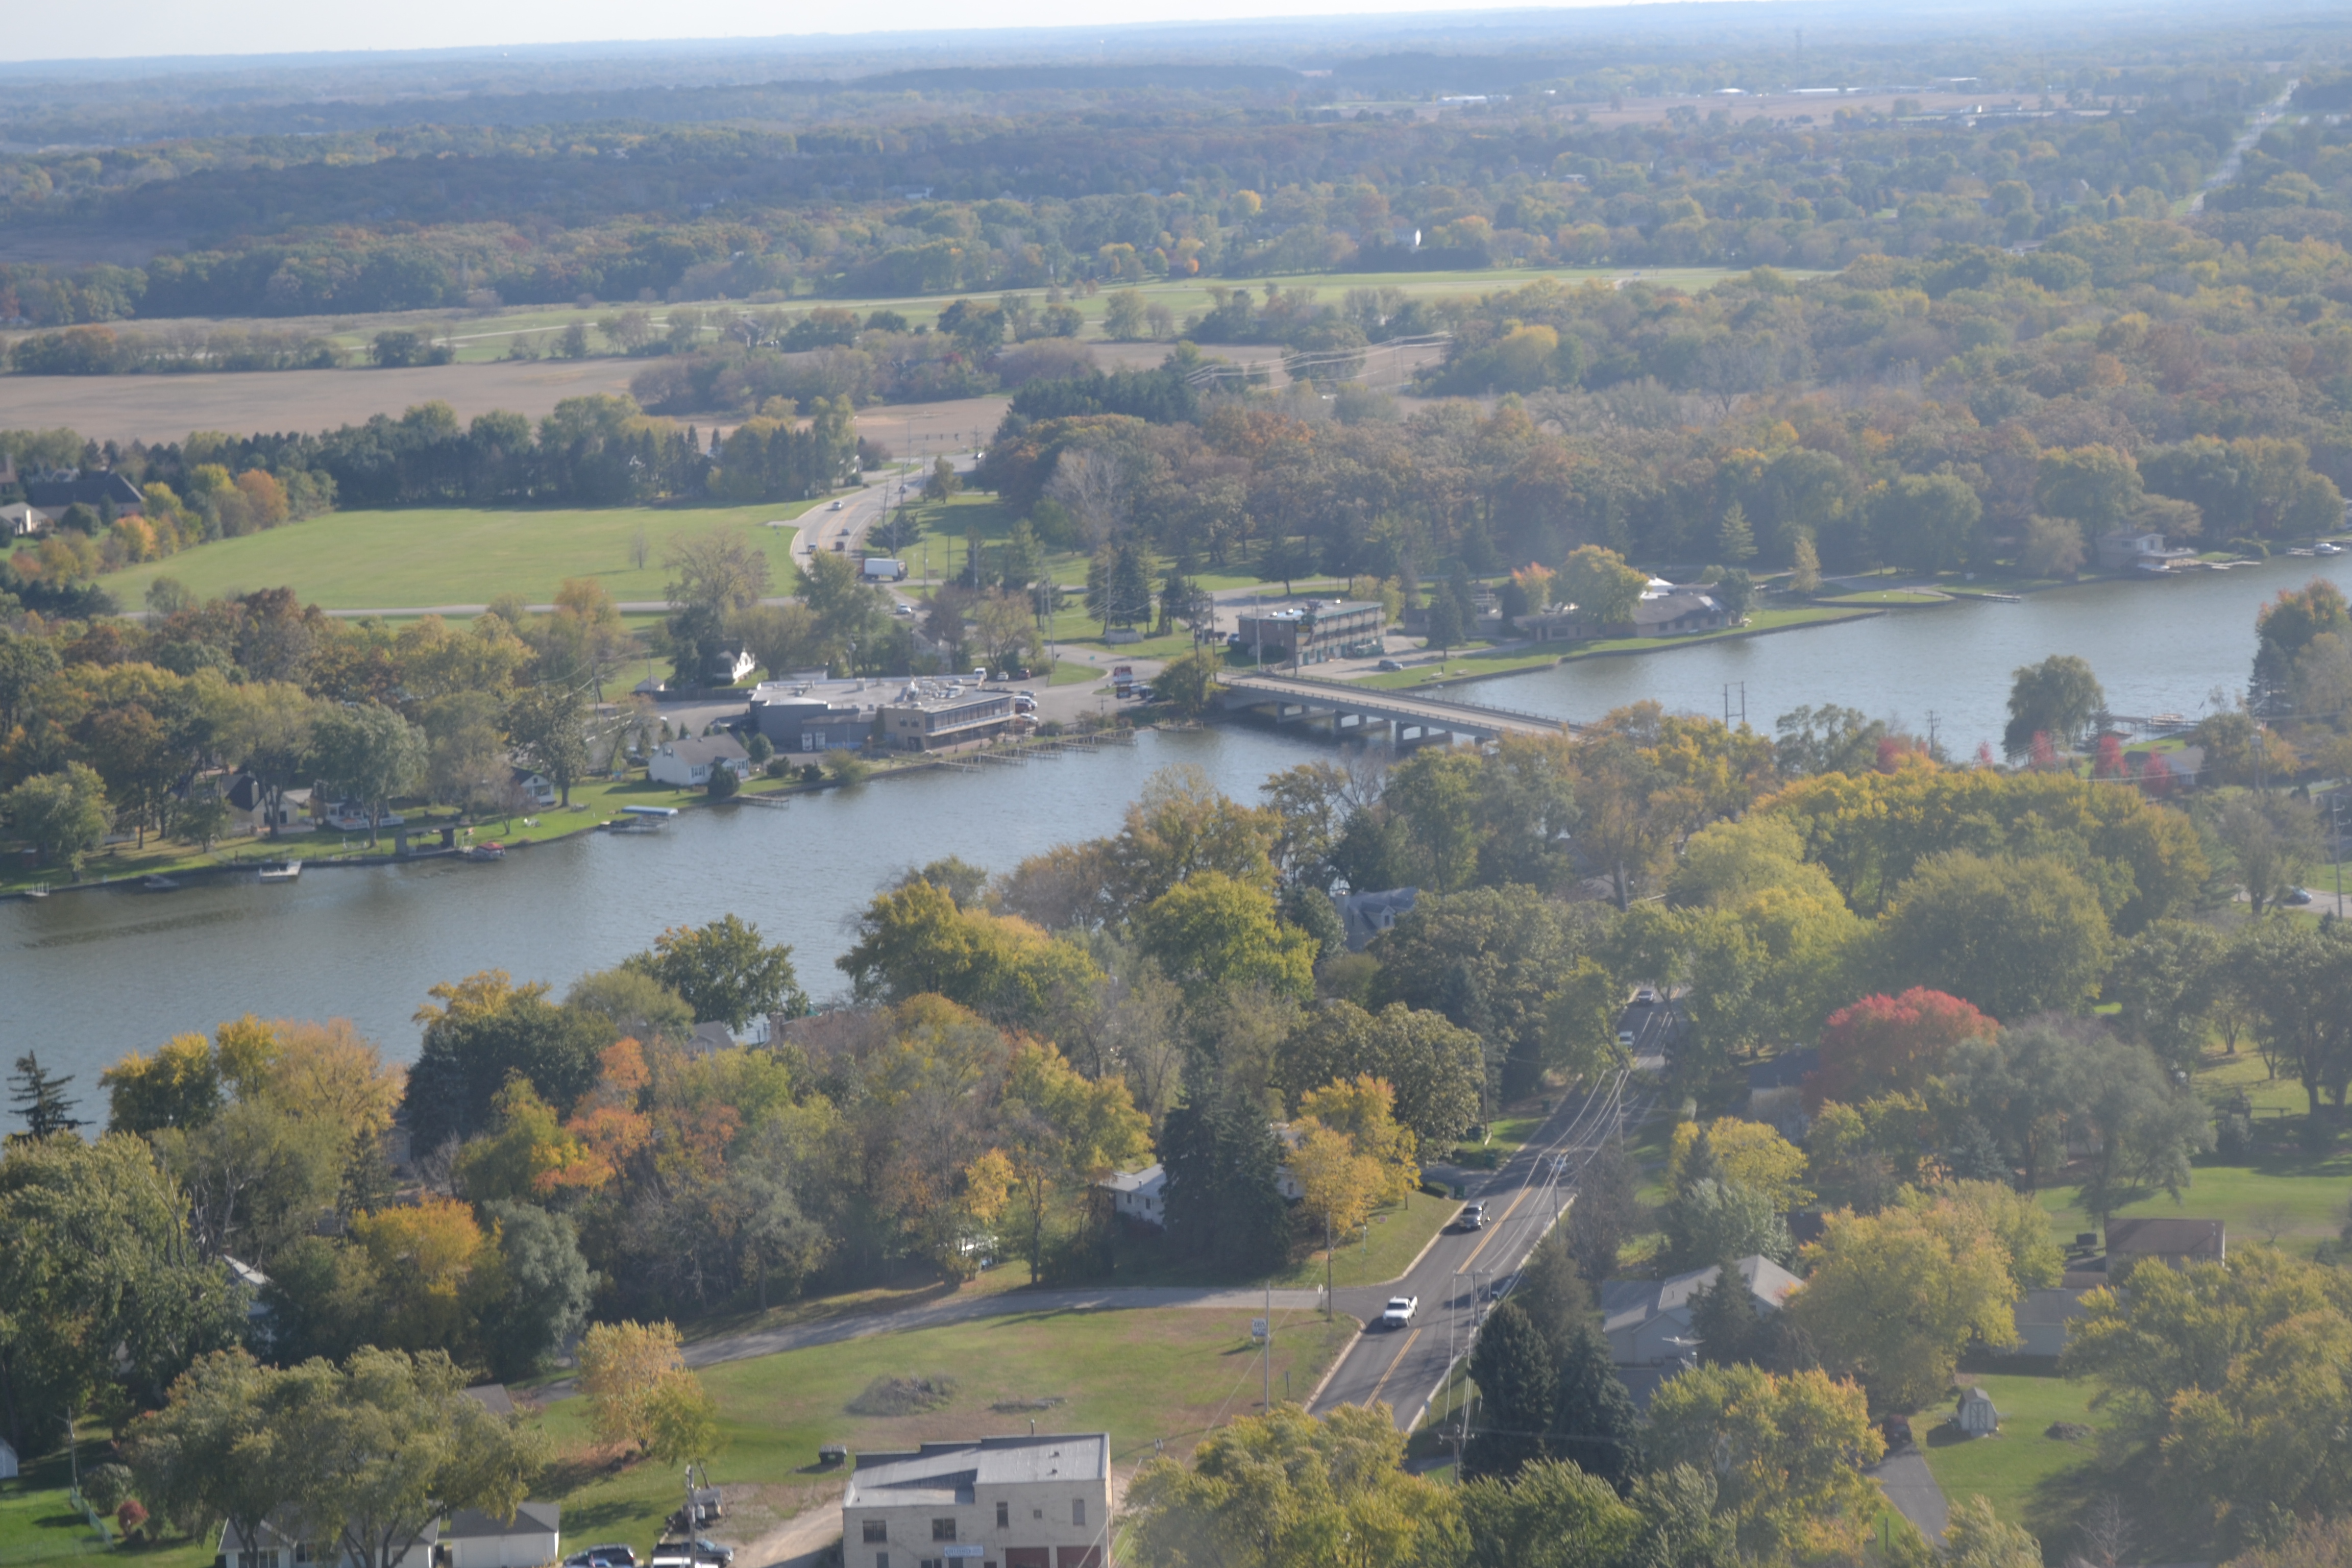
1911	1487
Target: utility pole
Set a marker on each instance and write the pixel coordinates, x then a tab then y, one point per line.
1269	1345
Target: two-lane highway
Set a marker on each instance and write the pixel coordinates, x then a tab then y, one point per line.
1522	1200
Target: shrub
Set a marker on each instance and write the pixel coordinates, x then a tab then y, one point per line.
105	1488
904	1395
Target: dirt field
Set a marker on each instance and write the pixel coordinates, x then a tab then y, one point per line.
166	407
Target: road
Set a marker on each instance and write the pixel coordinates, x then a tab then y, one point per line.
1407	1367
2264	118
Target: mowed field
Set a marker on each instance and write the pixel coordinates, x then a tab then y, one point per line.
156	408
1143	1376
428	556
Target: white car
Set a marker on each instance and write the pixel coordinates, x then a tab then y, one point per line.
1400	1311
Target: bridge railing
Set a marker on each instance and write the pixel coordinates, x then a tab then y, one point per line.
1363	693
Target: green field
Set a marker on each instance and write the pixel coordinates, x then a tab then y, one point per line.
2035	1480
1141	1375
420	556
482	336
38	1522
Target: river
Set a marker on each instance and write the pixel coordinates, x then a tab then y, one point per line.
87	977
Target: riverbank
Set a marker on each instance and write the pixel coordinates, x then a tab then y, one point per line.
1518	658
594	807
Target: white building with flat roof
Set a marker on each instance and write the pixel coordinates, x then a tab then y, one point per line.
1041	1501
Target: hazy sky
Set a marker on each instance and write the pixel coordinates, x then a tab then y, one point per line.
120	28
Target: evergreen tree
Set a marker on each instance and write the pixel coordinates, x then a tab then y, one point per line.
1805	566
1593	1422
1735	542
1445	624
1223	1205
1516	1385
1552	1294
1974	1156
1723	1319
39	1099
1604	1211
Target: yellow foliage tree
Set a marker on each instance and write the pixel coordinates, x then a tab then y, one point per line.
1364	1110
622	1366
425	1254
1892	1298
1749	1153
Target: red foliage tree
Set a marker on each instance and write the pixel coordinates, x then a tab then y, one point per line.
2109	762
1884	1044
2155	776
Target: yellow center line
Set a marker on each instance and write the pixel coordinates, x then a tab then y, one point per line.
1494	1230
1373	1397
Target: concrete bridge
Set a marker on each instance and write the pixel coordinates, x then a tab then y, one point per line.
1411	718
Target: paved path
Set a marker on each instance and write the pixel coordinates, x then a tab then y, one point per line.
1911	1487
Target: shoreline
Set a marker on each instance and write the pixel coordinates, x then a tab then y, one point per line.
132	881
1739	634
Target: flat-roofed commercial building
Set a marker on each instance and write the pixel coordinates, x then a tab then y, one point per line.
931	713
1312	632
998	1502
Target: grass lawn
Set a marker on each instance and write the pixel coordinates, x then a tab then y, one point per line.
1385	1248
2040	1482
459	555
1168	1375
38	1522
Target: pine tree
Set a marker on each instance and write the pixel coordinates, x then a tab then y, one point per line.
1723	1319
1974	1156
1805	573
39	1099
1593	1422
1516	1385
1734	540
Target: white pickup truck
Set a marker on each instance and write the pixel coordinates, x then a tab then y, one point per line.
1400	1311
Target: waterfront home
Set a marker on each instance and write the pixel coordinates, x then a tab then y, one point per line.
252	809
535	787
797	716
1364	916
1667	609
929	714
2135	550
687	763
1041	1501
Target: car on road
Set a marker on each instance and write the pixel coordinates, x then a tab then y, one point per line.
2299	895
1625	1039
902	608
1646	996
1389	666
1400	1311
710	1552
1472	1217
834	507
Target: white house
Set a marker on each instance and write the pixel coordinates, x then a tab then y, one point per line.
2044	1316
1648	1322
1040	1501
483	1541
536	787
19	521
1140	1194
685	764
281	1542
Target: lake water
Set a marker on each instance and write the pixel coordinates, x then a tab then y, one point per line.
85	977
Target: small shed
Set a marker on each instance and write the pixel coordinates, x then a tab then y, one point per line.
1976	1415
7	1461
477	1539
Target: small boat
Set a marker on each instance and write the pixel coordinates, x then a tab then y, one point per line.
486	851
285	871
161	884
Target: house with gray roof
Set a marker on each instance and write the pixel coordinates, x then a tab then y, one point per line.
1041	1501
